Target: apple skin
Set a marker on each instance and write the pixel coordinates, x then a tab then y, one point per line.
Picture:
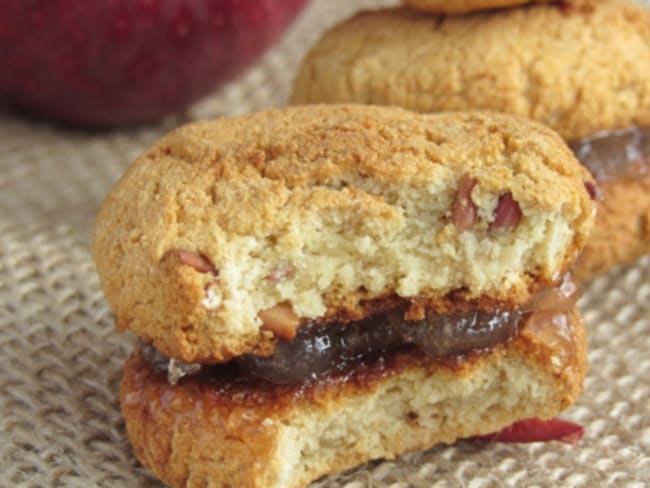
108	62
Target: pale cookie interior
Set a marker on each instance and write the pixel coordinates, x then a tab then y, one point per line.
382	239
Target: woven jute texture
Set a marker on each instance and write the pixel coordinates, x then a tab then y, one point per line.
60	360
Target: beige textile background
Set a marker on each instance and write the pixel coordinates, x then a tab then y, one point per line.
60	359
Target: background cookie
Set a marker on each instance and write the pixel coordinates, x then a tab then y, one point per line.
578	72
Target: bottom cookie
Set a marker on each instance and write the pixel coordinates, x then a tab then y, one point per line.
225	431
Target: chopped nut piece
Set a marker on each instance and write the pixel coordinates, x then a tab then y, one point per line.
281	320
464	211
507	214
415	312
197	261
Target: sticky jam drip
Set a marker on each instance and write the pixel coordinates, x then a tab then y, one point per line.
623	153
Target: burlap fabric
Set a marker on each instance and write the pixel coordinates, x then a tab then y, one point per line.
60	360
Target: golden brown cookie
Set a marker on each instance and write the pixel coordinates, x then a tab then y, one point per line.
229	234
464	6
580	70
219	433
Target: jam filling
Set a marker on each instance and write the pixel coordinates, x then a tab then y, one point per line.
336	347
623	153
333	348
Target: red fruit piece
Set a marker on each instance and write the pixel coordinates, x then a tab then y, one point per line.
507	214
109	62
536	430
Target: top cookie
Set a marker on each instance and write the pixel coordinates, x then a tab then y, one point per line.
313	212
580	70
464	6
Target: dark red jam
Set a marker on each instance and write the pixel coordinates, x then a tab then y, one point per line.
338	347
320	350
335	347
623	153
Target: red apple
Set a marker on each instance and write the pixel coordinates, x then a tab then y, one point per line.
106	62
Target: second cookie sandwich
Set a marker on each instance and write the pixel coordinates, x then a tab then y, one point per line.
582	69
320	286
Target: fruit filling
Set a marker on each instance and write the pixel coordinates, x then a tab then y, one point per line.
335	347
621	153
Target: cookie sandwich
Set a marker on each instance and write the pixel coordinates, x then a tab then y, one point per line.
319	286
582	69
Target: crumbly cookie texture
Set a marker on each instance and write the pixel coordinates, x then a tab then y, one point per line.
622	231
317	209
284	437
578	70
464	6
